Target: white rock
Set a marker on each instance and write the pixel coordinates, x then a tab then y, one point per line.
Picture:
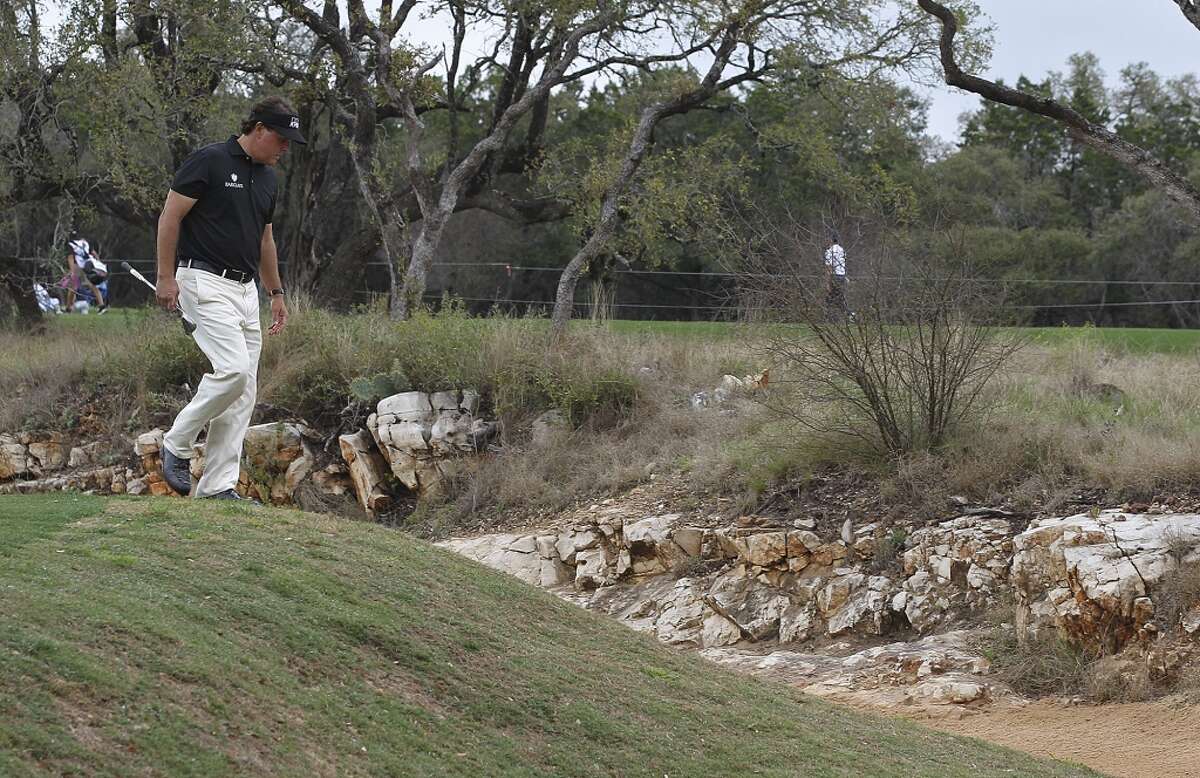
594	567
546	546
406	405
524	544
648	532
755	608
797	623
682	616
148	443
719	631
1191	621
1087	574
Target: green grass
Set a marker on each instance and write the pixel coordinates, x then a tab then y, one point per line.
114	321
1127	339
174	638
1130	340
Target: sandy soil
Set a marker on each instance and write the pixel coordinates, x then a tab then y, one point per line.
1131	740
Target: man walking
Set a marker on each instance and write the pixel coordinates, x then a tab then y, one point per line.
835	279
214	237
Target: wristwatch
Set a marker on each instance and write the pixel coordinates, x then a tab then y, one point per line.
276	291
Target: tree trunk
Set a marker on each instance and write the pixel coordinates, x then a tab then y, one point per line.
435	214
639	145
423	250
19	287
329	239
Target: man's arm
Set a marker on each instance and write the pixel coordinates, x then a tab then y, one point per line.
268	270
166	289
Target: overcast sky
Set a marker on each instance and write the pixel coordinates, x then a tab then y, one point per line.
1036	36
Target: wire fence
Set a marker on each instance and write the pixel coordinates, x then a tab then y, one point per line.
722	299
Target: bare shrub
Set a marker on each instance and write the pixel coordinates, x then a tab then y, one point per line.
1176	593
1116	679
1043	664
1189	684
907	365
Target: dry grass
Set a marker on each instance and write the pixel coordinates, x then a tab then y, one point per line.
1117	679
1043	665
1176	594
1054	430
1047	438
661	433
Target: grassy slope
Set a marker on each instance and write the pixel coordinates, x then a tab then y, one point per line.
164	637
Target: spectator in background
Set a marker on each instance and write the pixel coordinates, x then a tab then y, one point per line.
88	276
835	279
46	302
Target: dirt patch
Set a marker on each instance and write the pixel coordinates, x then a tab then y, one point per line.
1129	740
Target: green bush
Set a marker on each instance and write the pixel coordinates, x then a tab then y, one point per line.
600	398
163	358
439	351
324	362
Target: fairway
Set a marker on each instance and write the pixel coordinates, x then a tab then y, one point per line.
166	637
1134	340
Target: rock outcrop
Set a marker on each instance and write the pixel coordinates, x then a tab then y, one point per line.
276	458
738	591
423	437
1093	576
767	583
416	438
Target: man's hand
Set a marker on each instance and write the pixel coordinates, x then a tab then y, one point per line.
279	315
166	291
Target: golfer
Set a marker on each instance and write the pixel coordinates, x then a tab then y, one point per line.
214	238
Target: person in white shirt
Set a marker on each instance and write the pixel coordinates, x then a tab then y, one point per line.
835	279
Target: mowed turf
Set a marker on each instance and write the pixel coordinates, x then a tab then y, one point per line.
1133	340
165	637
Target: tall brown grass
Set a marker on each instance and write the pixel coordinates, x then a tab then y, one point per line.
1054	427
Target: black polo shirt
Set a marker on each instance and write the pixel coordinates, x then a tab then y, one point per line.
235	202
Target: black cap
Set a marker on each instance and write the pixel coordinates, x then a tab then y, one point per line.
286	124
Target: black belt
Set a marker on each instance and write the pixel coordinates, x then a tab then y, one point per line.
217	270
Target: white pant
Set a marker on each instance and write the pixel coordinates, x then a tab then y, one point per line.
229	333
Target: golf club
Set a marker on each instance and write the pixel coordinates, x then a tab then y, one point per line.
188	326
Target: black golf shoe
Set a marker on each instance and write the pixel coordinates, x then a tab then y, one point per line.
230	494
176	472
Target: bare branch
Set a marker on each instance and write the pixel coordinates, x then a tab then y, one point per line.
1191	11
1157	173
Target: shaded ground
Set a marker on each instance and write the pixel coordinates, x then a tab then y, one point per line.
1131	740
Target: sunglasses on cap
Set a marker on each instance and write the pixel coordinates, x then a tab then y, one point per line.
286	124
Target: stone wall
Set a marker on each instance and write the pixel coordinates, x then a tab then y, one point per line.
709	587
414	441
